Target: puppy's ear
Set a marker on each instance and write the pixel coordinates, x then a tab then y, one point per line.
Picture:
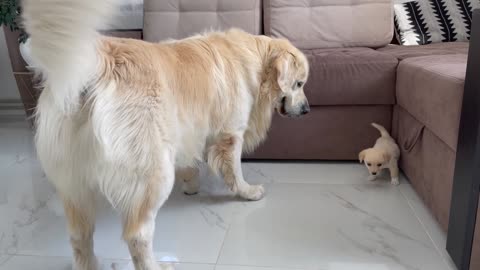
361	156
386	156
284	69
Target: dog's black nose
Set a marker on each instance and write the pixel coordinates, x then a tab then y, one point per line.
374	173
305	109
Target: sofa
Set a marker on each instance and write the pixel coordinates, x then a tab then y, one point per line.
357	77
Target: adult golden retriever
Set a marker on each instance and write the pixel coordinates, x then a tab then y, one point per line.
117	116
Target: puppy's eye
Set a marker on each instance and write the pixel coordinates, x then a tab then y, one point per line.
369	164
379	165
298	84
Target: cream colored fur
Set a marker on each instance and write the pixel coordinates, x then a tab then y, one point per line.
383	155
117	116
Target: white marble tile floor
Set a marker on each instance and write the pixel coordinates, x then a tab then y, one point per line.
315	216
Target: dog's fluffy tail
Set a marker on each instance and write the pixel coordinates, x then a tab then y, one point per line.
382	130
63	40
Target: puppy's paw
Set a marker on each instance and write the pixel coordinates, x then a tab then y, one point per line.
372	178
395	181
253	193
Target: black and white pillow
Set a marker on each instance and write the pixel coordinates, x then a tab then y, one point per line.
431	21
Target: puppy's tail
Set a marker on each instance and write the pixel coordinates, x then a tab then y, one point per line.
382	130
63	44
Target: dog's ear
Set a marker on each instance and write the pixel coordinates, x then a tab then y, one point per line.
361	156
284	69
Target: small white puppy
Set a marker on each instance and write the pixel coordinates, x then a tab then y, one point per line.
383	155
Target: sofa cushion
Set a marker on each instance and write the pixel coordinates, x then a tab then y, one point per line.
167	19
350	76
128	17
430	88
330	23
403	52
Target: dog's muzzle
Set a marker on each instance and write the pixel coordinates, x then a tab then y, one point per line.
304	109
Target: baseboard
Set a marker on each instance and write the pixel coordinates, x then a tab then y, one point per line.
11	108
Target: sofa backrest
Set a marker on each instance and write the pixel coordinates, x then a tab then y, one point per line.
330	23
167	19
309	24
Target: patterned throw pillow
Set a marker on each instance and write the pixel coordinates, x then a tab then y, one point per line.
431	21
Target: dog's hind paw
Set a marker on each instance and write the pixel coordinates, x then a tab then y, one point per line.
253	193
167	266
395	181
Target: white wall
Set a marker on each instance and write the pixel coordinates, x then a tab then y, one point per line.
8	86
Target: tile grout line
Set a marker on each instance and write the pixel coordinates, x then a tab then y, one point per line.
334	184
8	259
264	267
223	244
100	259
410	204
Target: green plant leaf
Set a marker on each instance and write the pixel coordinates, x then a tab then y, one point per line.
10	11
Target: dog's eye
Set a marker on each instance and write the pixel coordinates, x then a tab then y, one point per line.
298	84
380	164
369	164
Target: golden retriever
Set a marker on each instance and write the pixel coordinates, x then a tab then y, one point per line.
383	155
117	116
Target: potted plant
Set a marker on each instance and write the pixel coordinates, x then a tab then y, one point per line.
10	11
18	49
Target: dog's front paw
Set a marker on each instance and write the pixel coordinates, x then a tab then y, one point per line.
395	181
90	262
190	187
253	193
